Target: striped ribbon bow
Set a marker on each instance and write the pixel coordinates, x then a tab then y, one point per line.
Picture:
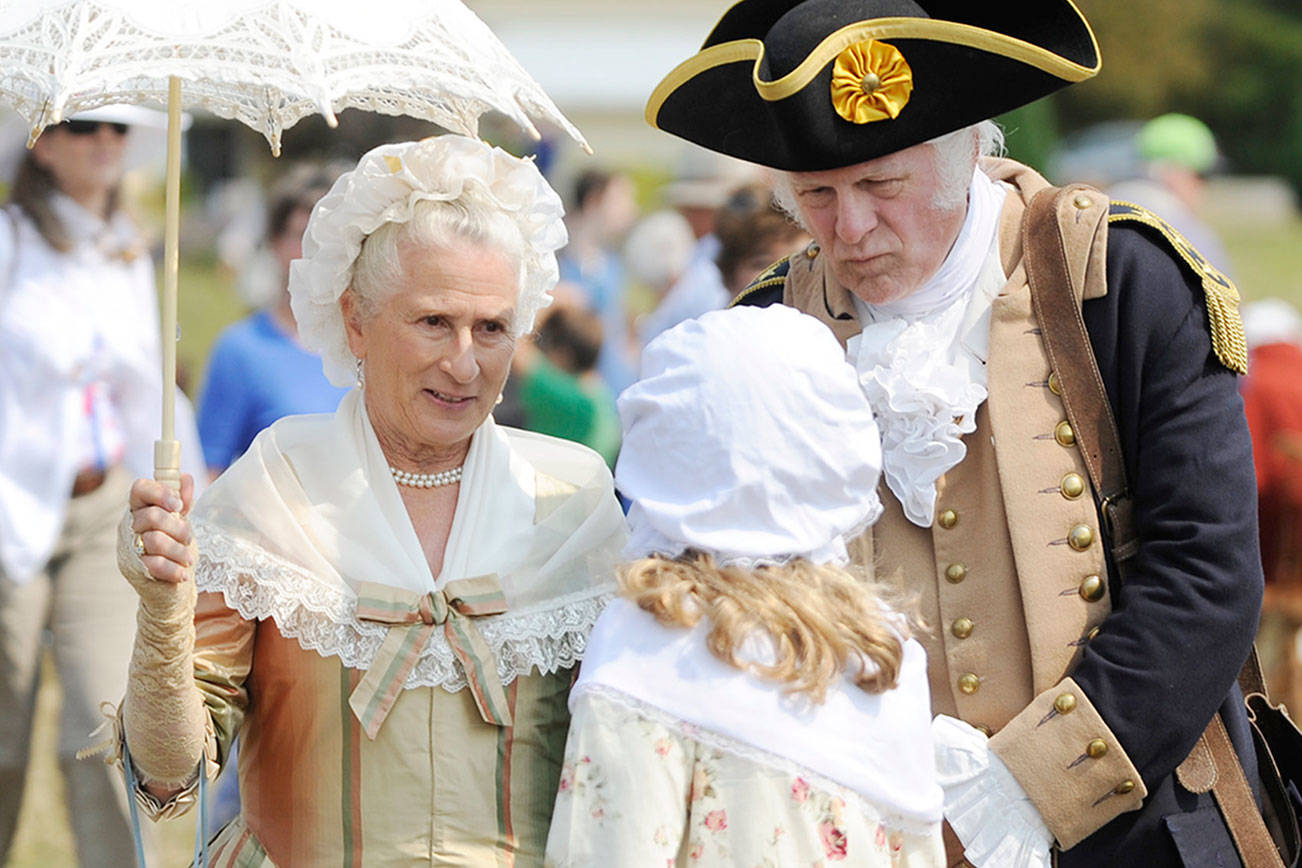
411	618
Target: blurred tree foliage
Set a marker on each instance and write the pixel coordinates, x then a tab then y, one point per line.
1236	64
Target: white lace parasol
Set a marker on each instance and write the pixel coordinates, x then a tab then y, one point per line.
267	63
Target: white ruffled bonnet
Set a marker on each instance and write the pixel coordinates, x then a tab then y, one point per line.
385	187
748	438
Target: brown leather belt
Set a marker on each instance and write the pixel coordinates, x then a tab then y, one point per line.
88	480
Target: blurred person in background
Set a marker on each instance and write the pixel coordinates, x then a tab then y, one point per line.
80	401
601	210
558	388
1178	152
658	251
259	371
754	232
702	184
1272	399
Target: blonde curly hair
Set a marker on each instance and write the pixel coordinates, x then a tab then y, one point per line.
823	619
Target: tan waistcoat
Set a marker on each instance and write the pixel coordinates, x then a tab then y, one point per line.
1011	579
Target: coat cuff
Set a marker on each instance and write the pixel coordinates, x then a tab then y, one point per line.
1070	764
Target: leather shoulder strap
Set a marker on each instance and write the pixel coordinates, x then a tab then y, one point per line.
1057	310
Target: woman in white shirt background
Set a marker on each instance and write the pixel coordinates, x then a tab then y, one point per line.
80	394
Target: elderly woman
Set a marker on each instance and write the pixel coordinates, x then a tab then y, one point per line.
752	701
393	598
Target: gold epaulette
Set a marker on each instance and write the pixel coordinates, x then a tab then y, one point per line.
774	275
1222	297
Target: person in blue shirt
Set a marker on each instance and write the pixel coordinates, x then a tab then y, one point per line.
602	208
258	370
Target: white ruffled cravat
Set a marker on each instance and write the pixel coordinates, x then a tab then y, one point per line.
921	360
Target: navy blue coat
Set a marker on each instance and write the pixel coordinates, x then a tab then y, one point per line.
1167	657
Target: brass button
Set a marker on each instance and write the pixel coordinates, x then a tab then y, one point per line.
812	250
962	627
1082	201
1124	787
1063	434
1096	748
984	730
1091	591
1055	385
1072	486
948	518
870	82
955	573
1081	537
1065	704
969	683
1094	631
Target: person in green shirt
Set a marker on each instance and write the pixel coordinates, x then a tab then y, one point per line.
560	392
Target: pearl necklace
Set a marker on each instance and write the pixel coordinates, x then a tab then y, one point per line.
426	480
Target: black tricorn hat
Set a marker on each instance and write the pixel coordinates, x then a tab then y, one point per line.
821	84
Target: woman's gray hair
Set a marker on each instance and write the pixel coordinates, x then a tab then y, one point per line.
440	224
953	154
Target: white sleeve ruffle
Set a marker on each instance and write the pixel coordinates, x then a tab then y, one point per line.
984	804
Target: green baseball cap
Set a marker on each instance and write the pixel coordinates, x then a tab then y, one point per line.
1179	139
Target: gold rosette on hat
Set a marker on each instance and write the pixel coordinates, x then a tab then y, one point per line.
871	81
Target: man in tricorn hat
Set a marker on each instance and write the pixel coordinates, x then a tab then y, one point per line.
1085	631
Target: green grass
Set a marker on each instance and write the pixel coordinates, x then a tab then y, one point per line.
206	304
1267	260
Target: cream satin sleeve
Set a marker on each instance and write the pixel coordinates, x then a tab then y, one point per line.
624	790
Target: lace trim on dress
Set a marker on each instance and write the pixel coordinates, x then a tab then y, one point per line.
259	585
750	753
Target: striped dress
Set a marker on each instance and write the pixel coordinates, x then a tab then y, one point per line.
437	786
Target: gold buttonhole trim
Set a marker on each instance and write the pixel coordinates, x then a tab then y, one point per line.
871	81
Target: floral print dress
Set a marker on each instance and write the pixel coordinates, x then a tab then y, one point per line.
639	788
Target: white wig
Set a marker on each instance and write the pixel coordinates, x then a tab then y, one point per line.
490	197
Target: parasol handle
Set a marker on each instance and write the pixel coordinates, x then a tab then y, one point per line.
167	463
167	450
